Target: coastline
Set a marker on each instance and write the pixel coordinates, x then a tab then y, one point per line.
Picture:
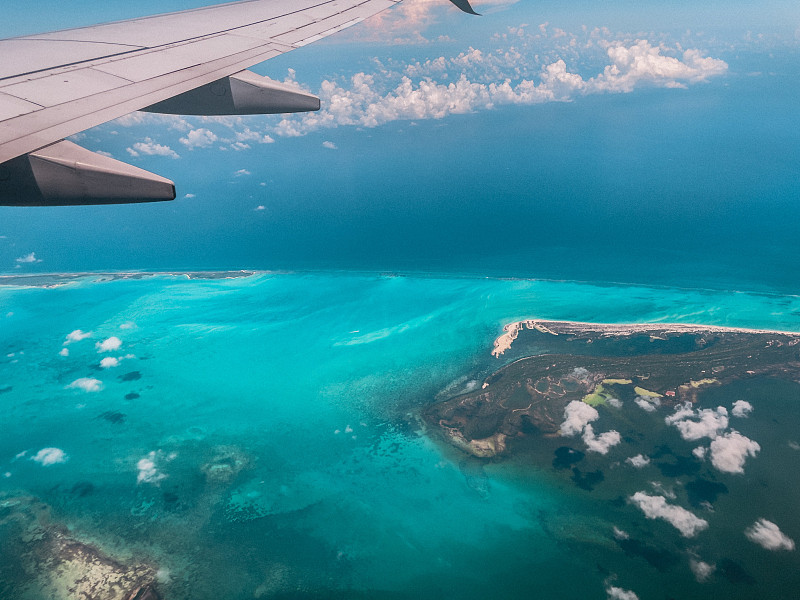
511	330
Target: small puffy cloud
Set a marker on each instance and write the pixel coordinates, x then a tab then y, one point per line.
638	461
618	593
656	507
329	145
619	534
199	138
109	345
150	148
647	404
87	384
64	352
29	258
49	456
767	535
108	362
702	423
248	135
189	196
729	452
241	173
129	324
77	336
577	415
702	570
260	207
741	408
700	452
614	402
148	472
600	443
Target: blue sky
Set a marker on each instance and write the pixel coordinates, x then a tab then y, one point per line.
439	129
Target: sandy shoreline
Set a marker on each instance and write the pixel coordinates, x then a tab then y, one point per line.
512	330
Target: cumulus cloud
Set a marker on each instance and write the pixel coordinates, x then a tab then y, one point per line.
638	461
489	79
49	456
108	362
64	352
329	145
109	345
148	472
241	173
700	452
600	443
129	324
767	535
656	507
87	384
28	259
149	147
617	593
77	336
729	452
199	138
648	404
577	415
694	425
260	207
702	570
741	408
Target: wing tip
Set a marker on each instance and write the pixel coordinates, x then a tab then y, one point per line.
465	6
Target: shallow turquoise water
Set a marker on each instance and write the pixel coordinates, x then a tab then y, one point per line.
278	413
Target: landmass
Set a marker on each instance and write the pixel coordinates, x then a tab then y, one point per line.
659	364
51	280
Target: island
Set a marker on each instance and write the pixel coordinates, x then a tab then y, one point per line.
651	364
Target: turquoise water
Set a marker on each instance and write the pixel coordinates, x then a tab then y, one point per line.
277	415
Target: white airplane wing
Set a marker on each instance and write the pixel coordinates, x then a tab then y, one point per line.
54	85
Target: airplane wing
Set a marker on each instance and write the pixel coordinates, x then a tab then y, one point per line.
54	85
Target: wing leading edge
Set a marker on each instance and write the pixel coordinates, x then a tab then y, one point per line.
57	84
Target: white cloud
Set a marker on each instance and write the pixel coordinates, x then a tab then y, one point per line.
29	258
702	570
600	443
87	384
189	196
77	336
241	173
477	80
617	593
700	452
150	148
741	408
620	534
260	207
199	138
577	415
248	135
647	404
64	352
108	362
729	452
614	402
50	456
329	145
702	423
148	473
642	63
109	345
656	507
767	535
130	324
638	461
